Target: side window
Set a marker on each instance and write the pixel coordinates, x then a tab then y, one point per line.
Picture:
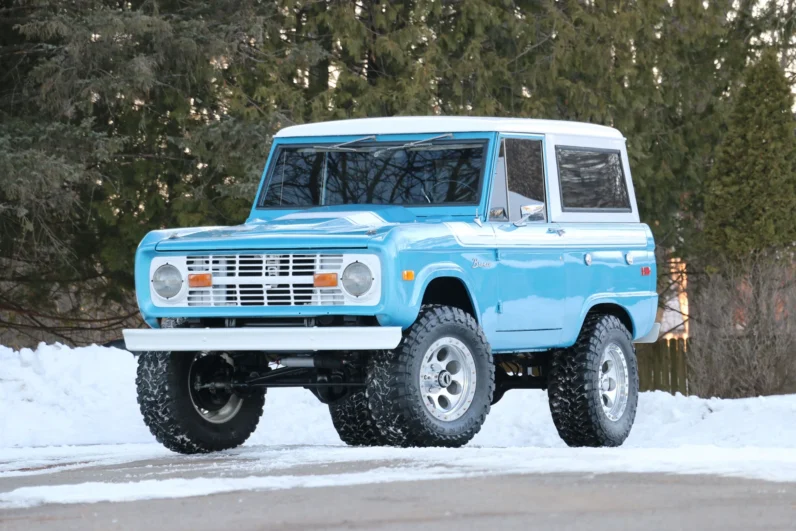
591	179
518	187
525	173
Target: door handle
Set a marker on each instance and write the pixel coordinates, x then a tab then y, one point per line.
553	230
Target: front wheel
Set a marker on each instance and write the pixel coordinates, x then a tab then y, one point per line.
435	389
593	386
187	403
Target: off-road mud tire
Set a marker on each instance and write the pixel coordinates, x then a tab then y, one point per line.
353	421
393	392
573	383
165	403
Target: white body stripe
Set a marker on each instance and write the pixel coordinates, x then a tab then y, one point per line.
470	235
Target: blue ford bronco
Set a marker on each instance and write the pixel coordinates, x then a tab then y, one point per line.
408	272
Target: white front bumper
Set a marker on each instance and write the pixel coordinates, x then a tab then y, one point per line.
282	339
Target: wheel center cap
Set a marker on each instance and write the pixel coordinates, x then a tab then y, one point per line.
444	379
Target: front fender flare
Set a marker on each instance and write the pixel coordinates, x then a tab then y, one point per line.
440	270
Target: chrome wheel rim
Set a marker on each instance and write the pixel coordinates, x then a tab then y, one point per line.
613	382
447	379
216	406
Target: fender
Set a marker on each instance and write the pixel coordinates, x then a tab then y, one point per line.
633	304
441	270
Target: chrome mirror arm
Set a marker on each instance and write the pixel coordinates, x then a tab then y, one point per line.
522	221
529	211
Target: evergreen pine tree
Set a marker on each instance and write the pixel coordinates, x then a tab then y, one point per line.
117	118
751	201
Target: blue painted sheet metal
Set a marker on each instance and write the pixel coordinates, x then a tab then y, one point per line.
505	269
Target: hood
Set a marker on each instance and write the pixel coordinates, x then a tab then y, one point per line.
317	228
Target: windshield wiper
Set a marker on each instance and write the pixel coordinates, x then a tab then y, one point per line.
411	144
342	146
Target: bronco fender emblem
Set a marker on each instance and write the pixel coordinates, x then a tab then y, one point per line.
477	264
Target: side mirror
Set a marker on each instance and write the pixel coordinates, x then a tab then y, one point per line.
497	213
531	213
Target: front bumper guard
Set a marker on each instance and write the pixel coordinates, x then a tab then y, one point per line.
277	339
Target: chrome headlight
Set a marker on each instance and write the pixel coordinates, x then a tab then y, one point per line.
167	281
357	279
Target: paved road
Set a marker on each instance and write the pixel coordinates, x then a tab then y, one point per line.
644	502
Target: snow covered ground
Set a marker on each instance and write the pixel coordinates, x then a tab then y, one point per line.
68	409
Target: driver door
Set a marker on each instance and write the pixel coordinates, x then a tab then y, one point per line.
530	267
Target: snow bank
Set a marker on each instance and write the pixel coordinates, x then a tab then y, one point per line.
56	395
522	418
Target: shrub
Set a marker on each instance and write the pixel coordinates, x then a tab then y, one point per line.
744	337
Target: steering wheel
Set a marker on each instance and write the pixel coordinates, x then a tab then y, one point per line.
447	181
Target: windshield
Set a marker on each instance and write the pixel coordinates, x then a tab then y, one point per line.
419	173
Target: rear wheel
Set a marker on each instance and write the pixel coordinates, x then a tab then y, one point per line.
593	386
435	389
188	404
353	421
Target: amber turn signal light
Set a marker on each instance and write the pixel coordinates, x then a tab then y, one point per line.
200	280
325	280
408	275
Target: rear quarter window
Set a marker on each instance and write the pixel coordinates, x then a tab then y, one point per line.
591	179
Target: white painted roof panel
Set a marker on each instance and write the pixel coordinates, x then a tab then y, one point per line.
447	124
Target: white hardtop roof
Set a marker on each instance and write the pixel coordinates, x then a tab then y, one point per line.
398	125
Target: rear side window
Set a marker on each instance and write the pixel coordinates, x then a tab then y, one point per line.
591	179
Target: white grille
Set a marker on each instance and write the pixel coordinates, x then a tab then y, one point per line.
265	280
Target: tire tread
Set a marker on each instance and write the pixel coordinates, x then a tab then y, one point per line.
576	409
159	401
352	419
392	392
